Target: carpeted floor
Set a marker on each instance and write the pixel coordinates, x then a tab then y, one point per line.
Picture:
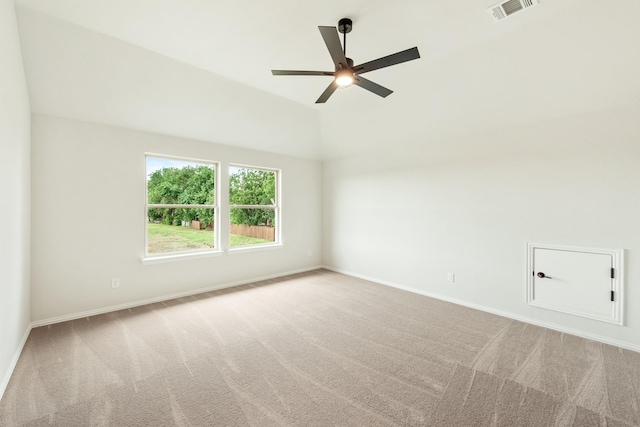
316	349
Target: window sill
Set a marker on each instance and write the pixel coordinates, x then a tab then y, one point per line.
179	257
257	248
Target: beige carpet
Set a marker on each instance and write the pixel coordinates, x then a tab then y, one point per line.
316	349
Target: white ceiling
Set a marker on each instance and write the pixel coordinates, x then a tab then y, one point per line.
560	58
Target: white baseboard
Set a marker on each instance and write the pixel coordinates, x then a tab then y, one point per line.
14	362
553	326
95	312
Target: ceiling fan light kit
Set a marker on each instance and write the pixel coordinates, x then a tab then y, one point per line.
345	73
344	77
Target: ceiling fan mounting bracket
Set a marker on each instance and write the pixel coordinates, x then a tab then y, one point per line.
345	25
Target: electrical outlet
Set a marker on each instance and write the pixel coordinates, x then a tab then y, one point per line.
115	283
451	277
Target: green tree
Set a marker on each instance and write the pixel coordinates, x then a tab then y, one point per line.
252	187
190	185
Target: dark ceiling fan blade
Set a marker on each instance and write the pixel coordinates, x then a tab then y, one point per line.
372	87
387	61
301	73
327	93
332	40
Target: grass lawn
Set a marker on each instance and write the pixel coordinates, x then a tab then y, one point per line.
168	238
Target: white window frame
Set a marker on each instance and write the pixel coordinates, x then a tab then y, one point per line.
275	207
195	253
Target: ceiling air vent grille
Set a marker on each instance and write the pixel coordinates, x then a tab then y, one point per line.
507	8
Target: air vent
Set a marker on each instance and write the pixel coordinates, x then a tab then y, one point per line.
507	8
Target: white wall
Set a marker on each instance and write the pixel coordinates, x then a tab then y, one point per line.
15	193
410	210
77	73
88	218
523	75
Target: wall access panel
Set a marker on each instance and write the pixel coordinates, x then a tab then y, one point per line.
585	282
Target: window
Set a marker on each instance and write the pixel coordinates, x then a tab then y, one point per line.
181	205
254	206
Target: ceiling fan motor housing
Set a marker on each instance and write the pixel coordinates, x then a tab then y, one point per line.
349	63
345	25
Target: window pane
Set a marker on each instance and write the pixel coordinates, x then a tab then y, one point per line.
182	182
179	230
252	186
252	226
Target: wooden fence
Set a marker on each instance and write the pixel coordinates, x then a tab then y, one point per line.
196	225
259	231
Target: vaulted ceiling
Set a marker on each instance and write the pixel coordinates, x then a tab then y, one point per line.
137	63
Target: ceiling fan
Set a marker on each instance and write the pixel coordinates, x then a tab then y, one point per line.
345	72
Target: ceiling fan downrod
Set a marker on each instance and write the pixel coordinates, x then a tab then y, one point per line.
345	25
